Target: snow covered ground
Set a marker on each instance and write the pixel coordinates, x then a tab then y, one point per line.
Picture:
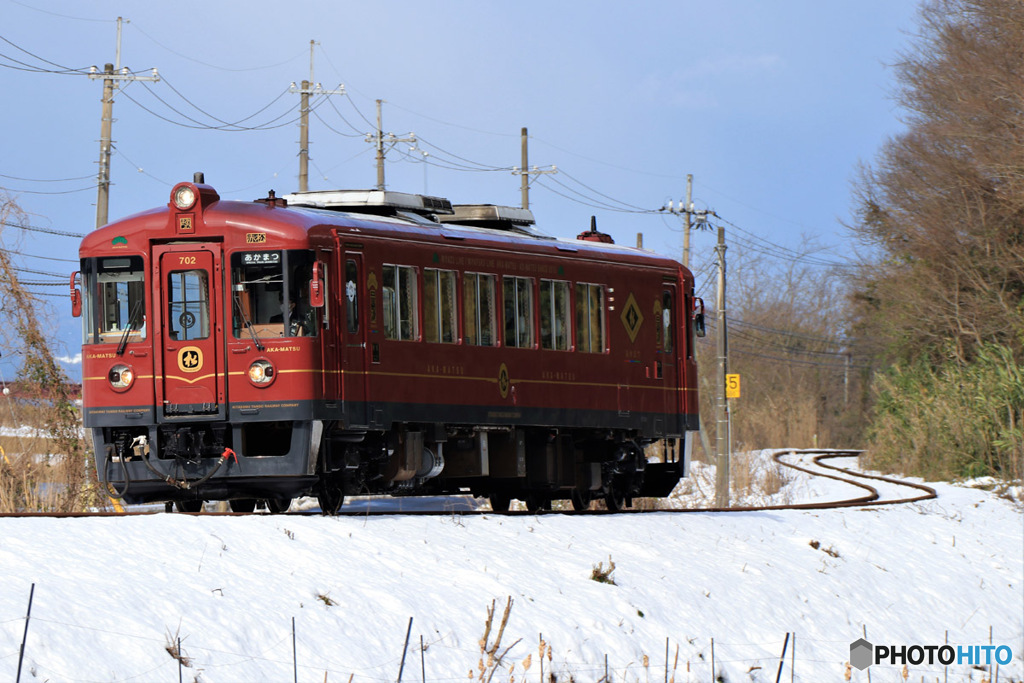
113	595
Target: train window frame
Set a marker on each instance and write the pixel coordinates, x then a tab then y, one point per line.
555	317
351	296
591	298
403	279
667	321
264	285
188	303
479	306
115	290
519	321
440	306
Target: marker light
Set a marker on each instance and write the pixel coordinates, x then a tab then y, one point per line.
261	372
121	377
184	197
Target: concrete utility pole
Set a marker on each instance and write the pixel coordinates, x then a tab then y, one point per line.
379	138
721	407
111	73
689	210
525	171
686	209
305	91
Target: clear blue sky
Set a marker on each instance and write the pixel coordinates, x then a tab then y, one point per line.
770	105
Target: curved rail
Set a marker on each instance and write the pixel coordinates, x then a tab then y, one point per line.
847	476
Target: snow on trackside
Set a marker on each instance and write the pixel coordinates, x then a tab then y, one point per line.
112	595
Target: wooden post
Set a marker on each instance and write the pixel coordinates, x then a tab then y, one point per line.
24	637
405	648
782	658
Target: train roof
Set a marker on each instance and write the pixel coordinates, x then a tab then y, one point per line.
294	216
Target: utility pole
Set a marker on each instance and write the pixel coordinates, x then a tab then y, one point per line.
686	209
525	171
689	210
379	138
721	407
111	73
305	91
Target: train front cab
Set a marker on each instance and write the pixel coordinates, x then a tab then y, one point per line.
189	350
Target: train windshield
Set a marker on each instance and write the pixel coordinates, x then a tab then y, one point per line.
114	299
270	294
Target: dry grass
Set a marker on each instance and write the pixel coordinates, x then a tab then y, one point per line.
33	477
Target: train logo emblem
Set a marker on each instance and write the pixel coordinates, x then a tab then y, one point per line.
190	359
185	224
632	318
503	380
187	319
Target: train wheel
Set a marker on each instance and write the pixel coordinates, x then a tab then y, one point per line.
189	506
330	499
580	500
615	499
278	505
242	505
535	502
500	502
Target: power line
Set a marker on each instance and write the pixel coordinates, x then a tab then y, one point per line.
44	258
796	335
214	66
138	168
49	231
47	180
62	70
219	120
34	272
62	16
49	192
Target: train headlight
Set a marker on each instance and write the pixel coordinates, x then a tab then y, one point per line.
121	377
261	372
184	197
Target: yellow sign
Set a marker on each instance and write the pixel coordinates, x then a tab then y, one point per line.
503	381
255	238
732	386
631	317
190	359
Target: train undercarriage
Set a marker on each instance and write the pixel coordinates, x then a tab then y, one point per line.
271	463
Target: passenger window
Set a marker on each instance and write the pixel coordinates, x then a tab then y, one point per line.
518	294
590	326
439	321
554	315
399	299
478	309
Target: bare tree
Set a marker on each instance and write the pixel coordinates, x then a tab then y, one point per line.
943	206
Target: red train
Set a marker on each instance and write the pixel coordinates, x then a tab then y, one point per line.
355	342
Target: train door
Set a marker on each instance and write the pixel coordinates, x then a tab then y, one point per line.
354	333
335	320
670	344
186	284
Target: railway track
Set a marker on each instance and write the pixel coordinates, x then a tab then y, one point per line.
894	492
